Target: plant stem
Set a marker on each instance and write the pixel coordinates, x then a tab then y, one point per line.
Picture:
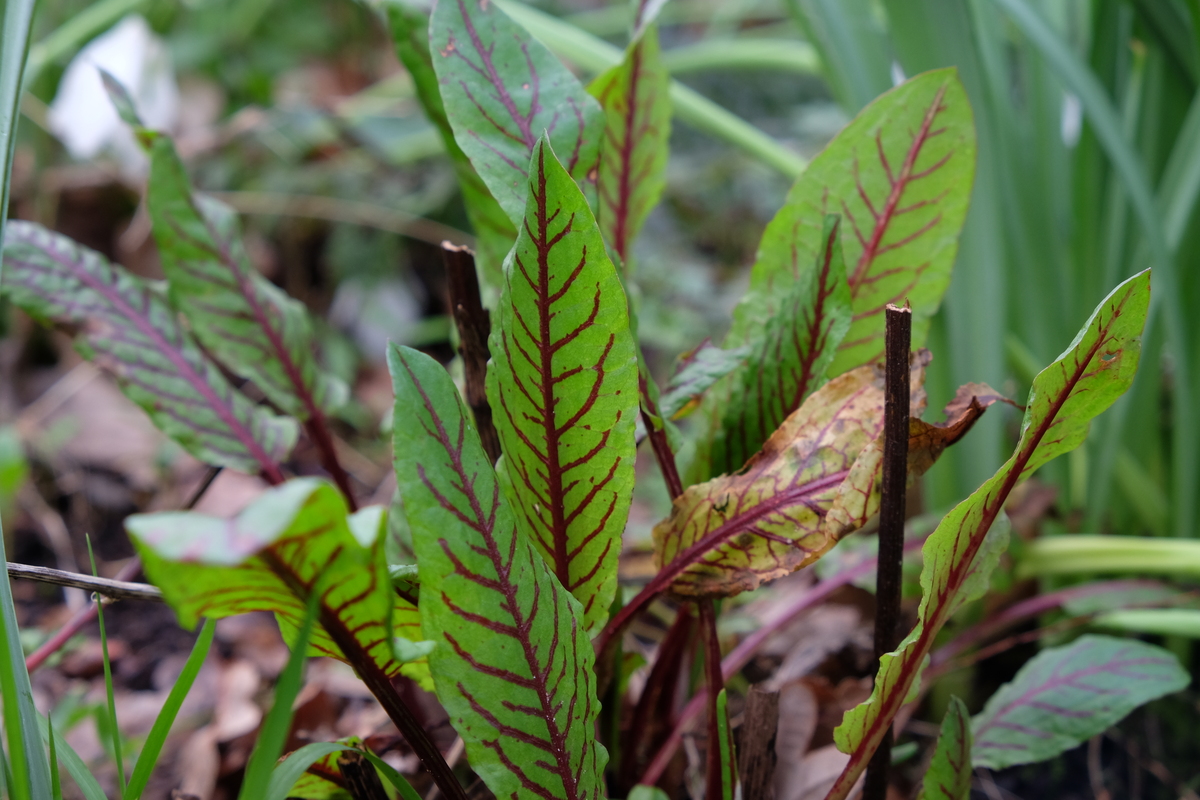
318	431
658	441
715	683
474	326
896	407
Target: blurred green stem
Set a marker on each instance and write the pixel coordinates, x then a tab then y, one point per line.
1080	553
75	32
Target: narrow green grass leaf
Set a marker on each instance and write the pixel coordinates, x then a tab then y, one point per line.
1090	375
949	774
1152	621
55	779
1066	695
854	50
126	326
633	156
285	775
273	734
76	768
563	385
246	322
298	775
113	726
166	717
407	792
513	666
494	232
724	749
790	358
502	90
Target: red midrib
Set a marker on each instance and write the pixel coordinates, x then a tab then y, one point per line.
814	326
627	147
270	468
554	472
915	655
897	191
523	124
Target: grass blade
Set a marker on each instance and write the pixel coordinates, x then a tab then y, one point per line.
162	724
76	768
284	776
108	683
279	719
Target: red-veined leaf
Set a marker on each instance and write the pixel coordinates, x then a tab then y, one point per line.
512	665
949	774
1066	695
502	90
633	157
563	388
788	361
737	531
696	371
1087	378
125	325
294	540
245	321
494	232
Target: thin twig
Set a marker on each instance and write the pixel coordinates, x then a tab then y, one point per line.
896	407
756	761
474	326
115	590
658	440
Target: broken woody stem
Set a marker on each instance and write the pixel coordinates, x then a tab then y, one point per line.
897	344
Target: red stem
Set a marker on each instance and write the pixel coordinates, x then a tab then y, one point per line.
716	682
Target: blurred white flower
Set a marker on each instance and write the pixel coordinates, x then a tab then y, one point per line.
82	116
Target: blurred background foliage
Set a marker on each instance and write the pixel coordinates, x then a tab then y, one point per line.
1089	167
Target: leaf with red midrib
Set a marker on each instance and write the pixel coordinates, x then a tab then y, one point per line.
790	360
735	532
1066	695
293	540
1094	371
512	665
502	89
949	774
563	388
125	325
633	158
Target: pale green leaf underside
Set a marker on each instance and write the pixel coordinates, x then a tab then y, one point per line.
1087	378
246	322
563	388
293	540
1066	695
125	325
512	666
502	89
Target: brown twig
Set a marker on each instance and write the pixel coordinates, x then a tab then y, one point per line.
474	326
897	344
112	589
756	762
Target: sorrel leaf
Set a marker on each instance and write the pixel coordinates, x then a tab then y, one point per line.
502	89
1087	378
1065	695
789	360
633	156
245	321
294	540
125	325
512	665
696	371
563	388
735	532
494	232
949	774
900	175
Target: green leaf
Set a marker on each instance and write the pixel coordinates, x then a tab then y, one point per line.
563	388
1066	695
18	21
1087	378
900	175
790	358
292	779
494	232
246	322
724	749
502	89
633	156
166	717
125	325
294	540
738	531
642	792
696	371
274	732
513	667
113	727
67	757
949	775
